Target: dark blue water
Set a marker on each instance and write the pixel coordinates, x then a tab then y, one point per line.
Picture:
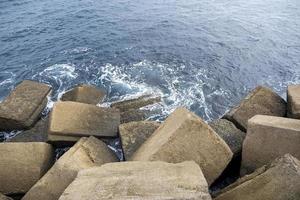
202	54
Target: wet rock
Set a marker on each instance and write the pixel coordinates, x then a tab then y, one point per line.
134	134
135	103
139	180
78	119
293	101
38	133
278	181
133	115
269	137
87	152
233	136
262	101
22	108
84	94
184	136
22	165
3	197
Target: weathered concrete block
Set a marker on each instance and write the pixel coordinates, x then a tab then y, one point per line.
87	152
293	101
184	136
84	94
267	138
38	133
22	165
135	103
233	136
3	197
22	108
134	134
78	119
278	181
261	101
133	115
139	180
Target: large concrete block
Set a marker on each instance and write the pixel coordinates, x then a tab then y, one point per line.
233	136
87	152
139	180
22	108
134	134
22	165
293	101
261	101
277	181
269	137
78	119
84	94
135	103
182	137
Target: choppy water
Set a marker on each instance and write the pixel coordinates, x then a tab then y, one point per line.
202	54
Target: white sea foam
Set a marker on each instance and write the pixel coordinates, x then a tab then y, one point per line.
170	81
59	76
174	88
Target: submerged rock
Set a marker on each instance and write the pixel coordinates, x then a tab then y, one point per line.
78	119
293	101
22	165
130	109
133	104
84	94
22	108
182	137
133	115
233	136
139	180
87	152
269	137
134	134
277	181
262	101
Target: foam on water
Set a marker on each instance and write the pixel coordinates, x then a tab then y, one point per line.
168	81
59	76
177	84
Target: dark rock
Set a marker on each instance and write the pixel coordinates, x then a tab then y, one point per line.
233	136
133	115
22	108
38	133
135	103
277	181
293	101
134	134
261	101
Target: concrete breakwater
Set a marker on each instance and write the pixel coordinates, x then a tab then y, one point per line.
251	153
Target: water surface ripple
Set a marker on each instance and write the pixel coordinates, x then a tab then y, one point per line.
202	54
